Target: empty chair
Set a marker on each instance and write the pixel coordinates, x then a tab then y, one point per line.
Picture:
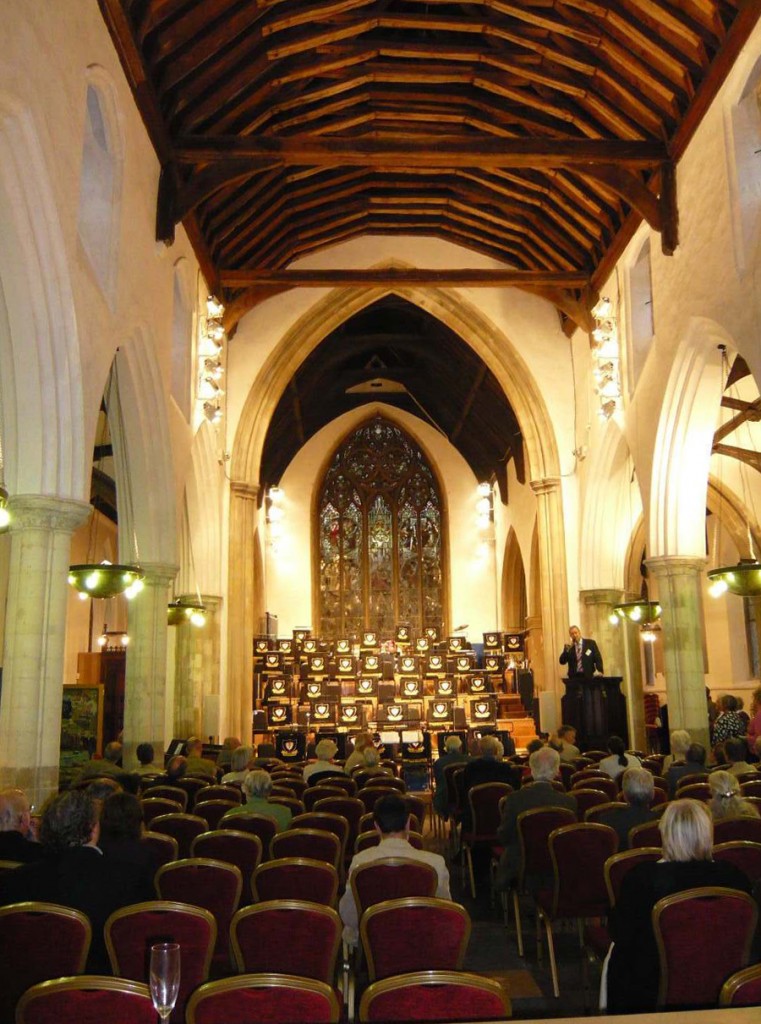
582	774
743	854
131	931
202	882
38	941
435	996
295	878
418	809
389	879
587	798
191	786
485	820
287	937
691	780
182	827
347	784
155	806
385	781
600	810
601	781
647	834
312	794
730	829
695	791
292	802
255	824
348	807
264	998
743	988
321	821
213	810
308	842
166	792
750	787
88	999
371	794
391	933
238	848
220	792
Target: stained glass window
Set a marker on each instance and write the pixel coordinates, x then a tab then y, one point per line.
380	535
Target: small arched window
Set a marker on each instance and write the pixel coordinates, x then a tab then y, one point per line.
97	217
640	313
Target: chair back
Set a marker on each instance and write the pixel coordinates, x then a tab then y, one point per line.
131	931
220	792
751	787
582	774
391	879
256	825
38	941
600	810
385	782
453	791
203	882
695	791
293	803
534	829
87	999
294	782
599	781
308	842
348	807
484	809
182	827
743	988
620	864
163	791
191	786
578	854
391	936
691	780
312	794
238	848
348	784
213	810
586	798
693	964
264	998
323	822
9	865
371	838
163	848
743	854
158	805
435	996
370	795
730	829
295	878
287	937
647	834
566	771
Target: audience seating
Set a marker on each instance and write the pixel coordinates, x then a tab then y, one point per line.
238	848
743	854
131	931
288	937
703	936
372	838
751	788
220	792
695	791
166	792
392	878
182	827
9	865
347	784
191	785
348	807
583	774
367	822
264	998
213	810
434	996
256	825
312	843
414	934
743	988
371	794
334	823
602	782
587	798
39	941
314	793
691	780
153	807
385	782
164	848
203	882
600	810
295	805
295	878
485	819
620	864
647	834
88	999
730	829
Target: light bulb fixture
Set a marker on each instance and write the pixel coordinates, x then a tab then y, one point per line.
743	579
105	579
210	351
5	516
649	634
605	355
112	639
644	613
184	610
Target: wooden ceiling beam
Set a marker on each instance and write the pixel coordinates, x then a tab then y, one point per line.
748	411
750	458
462	278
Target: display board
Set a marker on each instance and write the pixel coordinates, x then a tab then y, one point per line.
81	728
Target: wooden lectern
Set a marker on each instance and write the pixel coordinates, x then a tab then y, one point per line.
596	708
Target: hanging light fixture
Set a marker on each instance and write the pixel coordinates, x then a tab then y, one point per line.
211	367
107	579
606	358
642	612
187	609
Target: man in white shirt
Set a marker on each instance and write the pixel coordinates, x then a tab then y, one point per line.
392	821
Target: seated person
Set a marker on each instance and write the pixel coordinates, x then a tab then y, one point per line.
257	788
633	968
145	758
240	764
392	821
726	799
619	760
121	834
735	751
195	763
225	756
694	763
323	767
453	754
108	766
16	838
488	767
680	743
355	759
637	788
372	765
531	747
565	743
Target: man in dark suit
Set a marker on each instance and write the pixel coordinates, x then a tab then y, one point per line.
488	767
544	765
582	655
16	840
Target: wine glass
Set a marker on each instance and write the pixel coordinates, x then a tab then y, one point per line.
165	977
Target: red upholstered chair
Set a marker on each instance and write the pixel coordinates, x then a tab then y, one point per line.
583	774
695	791
566	771
131	931
555	783
347	784
182	827
88	999
647	834
660	796
730	829
159	805
435	996
308	842
311	795
418	809
587	798
203	882
595	813
212	810
703	936
371	794
371	838
220	792
164	848
296	784
348	807
620	864
256	825
691	780
38	941
601	781
281	789
578	854
751	788
385	782
743	988
743	854
295	805
165	792
391	879
391	934
287	937
485	819
191	786
264	998
295	878
238	848
334	823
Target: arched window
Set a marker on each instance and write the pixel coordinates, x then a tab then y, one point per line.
380	535
640	314
97	216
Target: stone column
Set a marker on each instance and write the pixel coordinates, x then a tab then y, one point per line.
197	659
535	650
680	595
553	582
145	683
35	631
241	611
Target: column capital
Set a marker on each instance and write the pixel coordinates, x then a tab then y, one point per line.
546	485
665	566
243	489
211	601
601	595
158	574
41	512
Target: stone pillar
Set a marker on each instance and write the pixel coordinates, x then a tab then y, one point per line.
535	650
680	595
145	683
197	659
241	611
553	582
35	631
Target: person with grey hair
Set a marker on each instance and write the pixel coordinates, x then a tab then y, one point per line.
453	754
16	839
544	765
633	968
726	797
637	787
257	788
323	767
372	765
679	741
694	764
239	764
488	767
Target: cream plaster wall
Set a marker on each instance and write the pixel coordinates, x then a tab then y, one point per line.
519	514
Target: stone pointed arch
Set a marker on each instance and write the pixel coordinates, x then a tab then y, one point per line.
682	451
39	342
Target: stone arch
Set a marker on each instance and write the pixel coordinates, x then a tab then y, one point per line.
39	340
684	436
514	597
497	351
735	517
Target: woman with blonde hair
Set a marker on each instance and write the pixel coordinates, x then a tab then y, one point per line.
633	968
726	798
